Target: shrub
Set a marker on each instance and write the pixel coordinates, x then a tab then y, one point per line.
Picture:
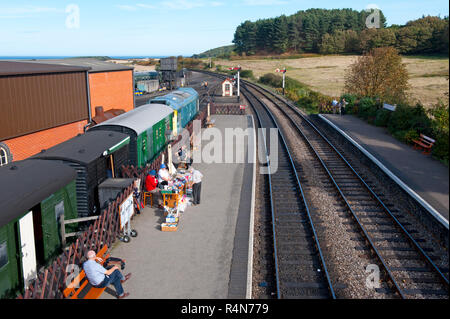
248	74
367	108
271	79
406	117
382	117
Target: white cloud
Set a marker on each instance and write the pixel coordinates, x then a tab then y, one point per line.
17	11
264	2
146	6
126	7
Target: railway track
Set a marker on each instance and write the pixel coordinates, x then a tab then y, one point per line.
301	270
409	268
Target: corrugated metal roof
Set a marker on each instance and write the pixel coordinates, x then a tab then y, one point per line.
140	119
18	68
179	98
94	64
84	148
24	184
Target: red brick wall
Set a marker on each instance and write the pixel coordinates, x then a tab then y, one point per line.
30	144
112	90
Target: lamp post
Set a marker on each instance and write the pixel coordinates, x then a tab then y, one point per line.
284	76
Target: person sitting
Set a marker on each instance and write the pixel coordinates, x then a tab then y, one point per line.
151	185
163	176
100	277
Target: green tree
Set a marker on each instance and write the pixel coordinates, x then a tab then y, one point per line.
379	73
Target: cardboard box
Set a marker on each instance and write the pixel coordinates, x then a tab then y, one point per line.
169	227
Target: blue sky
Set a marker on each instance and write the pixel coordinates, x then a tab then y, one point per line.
158	27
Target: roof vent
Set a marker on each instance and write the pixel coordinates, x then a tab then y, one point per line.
82	151
14	168
111	134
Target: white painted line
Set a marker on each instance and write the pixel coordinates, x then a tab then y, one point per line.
405	187
248	294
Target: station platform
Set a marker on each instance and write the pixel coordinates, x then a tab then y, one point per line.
422	174
208	256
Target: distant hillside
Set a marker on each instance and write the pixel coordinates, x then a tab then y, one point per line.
101	58
224	51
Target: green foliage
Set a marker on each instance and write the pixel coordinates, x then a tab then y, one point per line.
248	74
406	117
271	80
382	117
339	31
367	108
220	52
440	128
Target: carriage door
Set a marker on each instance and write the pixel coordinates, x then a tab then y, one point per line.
28	250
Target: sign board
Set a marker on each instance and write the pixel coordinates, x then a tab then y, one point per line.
126	211
389	107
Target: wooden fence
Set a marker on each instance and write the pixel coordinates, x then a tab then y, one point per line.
227	109
51	282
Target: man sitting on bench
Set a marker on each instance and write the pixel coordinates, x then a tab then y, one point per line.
100	277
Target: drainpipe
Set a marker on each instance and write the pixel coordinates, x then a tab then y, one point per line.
89	102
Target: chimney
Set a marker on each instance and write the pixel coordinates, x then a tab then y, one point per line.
99	111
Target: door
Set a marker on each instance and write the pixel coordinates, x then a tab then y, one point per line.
27	248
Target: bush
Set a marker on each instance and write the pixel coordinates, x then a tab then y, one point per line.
351	102
382	117
248	74
367	108
440	149
271	80
406	117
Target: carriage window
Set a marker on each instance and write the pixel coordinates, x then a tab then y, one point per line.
3	157
3	254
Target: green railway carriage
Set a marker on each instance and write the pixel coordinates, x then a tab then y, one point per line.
185	104
33	194
147	126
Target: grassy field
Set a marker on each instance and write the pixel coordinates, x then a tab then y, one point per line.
428	76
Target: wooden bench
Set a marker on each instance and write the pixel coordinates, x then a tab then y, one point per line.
73	292
425	143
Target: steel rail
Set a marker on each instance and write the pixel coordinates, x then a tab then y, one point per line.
311	223
344	198
397	223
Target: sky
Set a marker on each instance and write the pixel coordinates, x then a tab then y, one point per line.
158	27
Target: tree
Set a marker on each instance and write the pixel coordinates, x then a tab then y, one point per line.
379	74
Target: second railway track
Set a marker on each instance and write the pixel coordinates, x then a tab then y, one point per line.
410	266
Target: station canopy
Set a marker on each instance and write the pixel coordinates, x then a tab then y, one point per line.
24	184
140	119
86	148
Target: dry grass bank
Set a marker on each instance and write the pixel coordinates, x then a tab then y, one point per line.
428	76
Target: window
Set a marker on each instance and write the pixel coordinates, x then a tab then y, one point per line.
3	254
3	157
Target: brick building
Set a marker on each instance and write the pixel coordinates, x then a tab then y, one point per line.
41	105
111	85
